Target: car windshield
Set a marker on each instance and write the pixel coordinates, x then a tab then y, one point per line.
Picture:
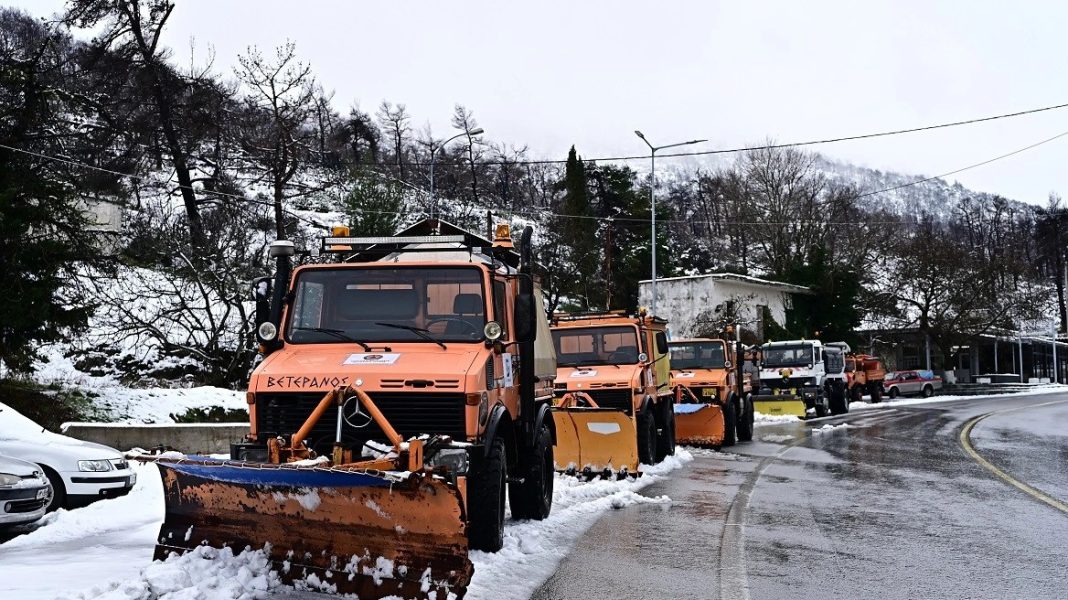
698	355
400	304
788	356
581	346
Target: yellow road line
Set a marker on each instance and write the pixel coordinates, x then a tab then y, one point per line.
966	443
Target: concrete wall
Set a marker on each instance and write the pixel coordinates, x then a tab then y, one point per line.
195	438
681	300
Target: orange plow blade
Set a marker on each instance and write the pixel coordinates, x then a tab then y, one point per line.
595	441
699	425
373	534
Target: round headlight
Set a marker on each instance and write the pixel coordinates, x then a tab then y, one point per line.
643	357
267	331
492	331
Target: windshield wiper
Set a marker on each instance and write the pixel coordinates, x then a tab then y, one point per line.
338	333
419	331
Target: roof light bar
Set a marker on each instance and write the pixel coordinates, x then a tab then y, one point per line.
390	240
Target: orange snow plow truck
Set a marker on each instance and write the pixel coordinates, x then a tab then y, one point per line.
712	409
614	399
405	389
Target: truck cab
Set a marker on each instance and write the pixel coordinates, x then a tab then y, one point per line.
807	371
622	362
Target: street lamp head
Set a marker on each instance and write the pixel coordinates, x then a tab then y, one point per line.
696	141
639	134
478	131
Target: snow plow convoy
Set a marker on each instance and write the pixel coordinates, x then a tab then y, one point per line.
712	409
405	389
614	399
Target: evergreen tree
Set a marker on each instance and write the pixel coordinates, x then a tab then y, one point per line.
578	231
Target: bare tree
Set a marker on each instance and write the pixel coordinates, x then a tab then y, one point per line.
464	120
281	102
396	124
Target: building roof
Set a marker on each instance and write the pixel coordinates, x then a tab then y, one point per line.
746	279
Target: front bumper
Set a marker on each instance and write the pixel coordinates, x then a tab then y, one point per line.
24	504
83	485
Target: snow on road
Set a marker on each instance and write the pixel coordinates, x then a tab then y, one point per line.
104	551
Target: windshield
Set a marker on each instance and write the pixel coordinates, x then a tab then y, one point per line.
788	356
697	355
579	346
378	304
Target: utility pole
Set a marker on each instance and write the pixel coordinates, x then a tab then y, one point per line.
652	202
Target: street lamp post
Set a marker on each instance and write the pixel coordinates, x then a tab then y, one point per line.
652	200
433	155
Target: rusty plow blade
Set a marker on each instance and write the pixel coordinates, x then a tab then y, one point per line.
373	534
779	405
595	442
699	425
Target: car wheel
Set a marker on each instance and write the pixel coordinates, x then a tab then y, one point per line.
533	498
928	391
876	394
822	409
59	491
894	393
745	424
665	442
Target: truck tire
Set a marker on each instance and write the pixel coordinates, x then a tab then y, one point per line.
838	399
730	422
876	393
665	439
533	498
647	438
821	407
856	393
744	426
928	391
486	500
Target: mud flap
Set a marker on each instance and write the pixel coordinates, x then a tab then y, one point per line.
372	534
595	441
779	405
699	425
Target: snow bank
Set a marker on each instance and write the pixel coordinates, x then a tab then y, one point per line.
103	551
827	428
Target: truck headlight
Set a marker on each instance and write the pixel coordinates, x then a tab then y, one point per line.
455	460
267	331
7	480
94	465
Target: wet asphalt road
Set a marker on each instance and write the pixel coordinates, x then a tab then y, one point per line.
891	506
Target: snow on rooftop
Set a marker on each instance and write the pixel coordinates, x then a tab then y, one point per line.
749	279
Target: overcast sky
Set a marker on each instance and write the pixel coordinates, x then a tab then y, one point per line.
550	74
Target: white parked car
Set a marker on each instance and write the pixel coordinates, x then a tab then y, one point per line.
80	472
25	492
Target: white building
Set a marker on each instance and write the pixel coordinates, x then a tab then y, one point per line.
689	302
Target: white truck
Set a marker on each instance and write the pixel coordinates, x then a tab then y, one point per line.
799	376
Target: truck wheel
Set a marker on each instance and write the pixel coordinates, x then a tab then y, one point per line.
665	440
838	399
876	394
928	391
894	393
856	393
730	422
533	499
647	438
486	501
821	407
745	422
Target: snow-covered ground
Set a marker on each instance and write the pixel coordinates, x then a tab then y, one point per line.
104	551
132	405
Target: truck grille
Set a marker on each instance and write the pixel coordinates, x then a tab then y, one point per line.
619	399
410	413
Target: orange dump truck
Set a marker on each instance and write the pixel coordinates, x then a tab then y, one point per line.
712	410
614	392
405	390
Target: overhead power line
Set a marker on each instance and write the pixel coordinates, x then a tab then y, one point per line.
533	214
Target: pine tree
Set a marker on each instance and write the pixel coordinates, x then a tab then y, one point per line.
578	227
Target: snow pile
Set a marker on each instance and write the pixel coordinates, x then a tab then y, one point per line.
827	428
774	419
203	573
532	549
776	439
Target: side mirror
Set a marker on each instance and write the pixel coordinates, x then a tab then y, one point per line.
661	343
525	327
